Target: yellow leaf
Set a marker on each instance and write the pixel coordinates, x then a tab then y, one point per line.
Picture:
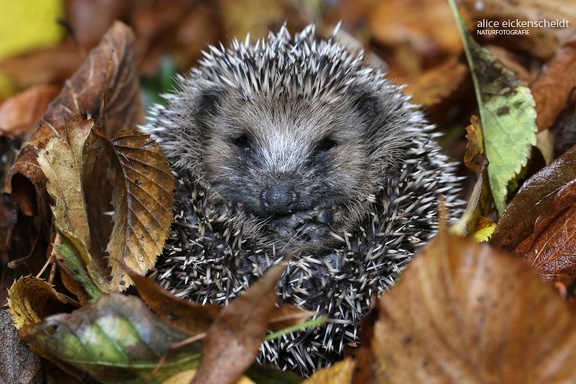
185	377
30	24
29	299
340	373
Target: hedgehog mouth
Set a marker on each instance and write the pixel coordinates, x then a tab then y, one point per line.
309	225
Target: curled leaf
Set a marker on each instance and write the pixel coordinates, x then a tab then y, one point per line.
32	299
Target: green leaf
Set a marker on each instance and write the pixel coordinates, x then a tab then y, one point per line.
68	249
116	339
507	114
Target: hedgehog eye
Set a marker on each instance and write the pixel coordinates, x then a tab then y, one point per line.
243	142
325	145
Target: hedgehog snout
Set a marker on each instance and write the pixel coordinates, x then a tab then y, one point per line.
279	199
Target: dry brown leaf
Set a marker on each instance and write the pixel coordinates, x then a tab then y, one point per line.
240	17
184	315
551	248
194	318
233	340
89	19
437	84
20	113
52	65
62	162
474	157
416	38
538	223
142	193
78	165
468	313
554	85
109	71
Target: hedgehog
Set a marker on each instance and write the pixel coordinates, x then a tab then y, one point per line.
292	145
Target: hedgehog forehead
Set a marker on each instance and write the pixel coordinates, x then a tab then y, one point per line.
299	65
286	120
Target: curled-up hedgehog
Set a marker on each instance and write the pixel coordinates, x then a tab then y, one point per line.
292	145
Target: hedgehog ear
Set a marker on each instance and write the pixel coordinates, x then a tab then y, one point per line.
208	104
367	104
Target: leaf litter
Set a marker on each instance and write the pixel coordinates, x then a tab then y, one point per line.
475	282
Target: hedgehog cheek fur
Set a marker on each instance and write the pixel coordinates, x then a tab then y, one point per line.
293	145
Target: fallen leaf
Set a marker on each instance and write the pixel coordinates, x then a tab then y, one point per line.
62	162
437	84
506	112
142	186
31	299
185	377
184	315
479	202
78	165
483	230
551	248
116	339
474	146
107	74
537	225
468	313
233	340
339	373
532	200
194	318
20	113
415	39
554	85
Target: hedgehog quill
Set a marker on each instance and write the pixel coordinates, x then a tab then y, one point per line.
293	145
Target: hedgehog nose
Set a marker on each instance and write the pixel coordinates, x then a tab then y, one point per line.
279	199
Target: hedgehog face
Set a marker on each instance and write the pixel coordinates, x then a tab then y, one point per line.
296	165
297	132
